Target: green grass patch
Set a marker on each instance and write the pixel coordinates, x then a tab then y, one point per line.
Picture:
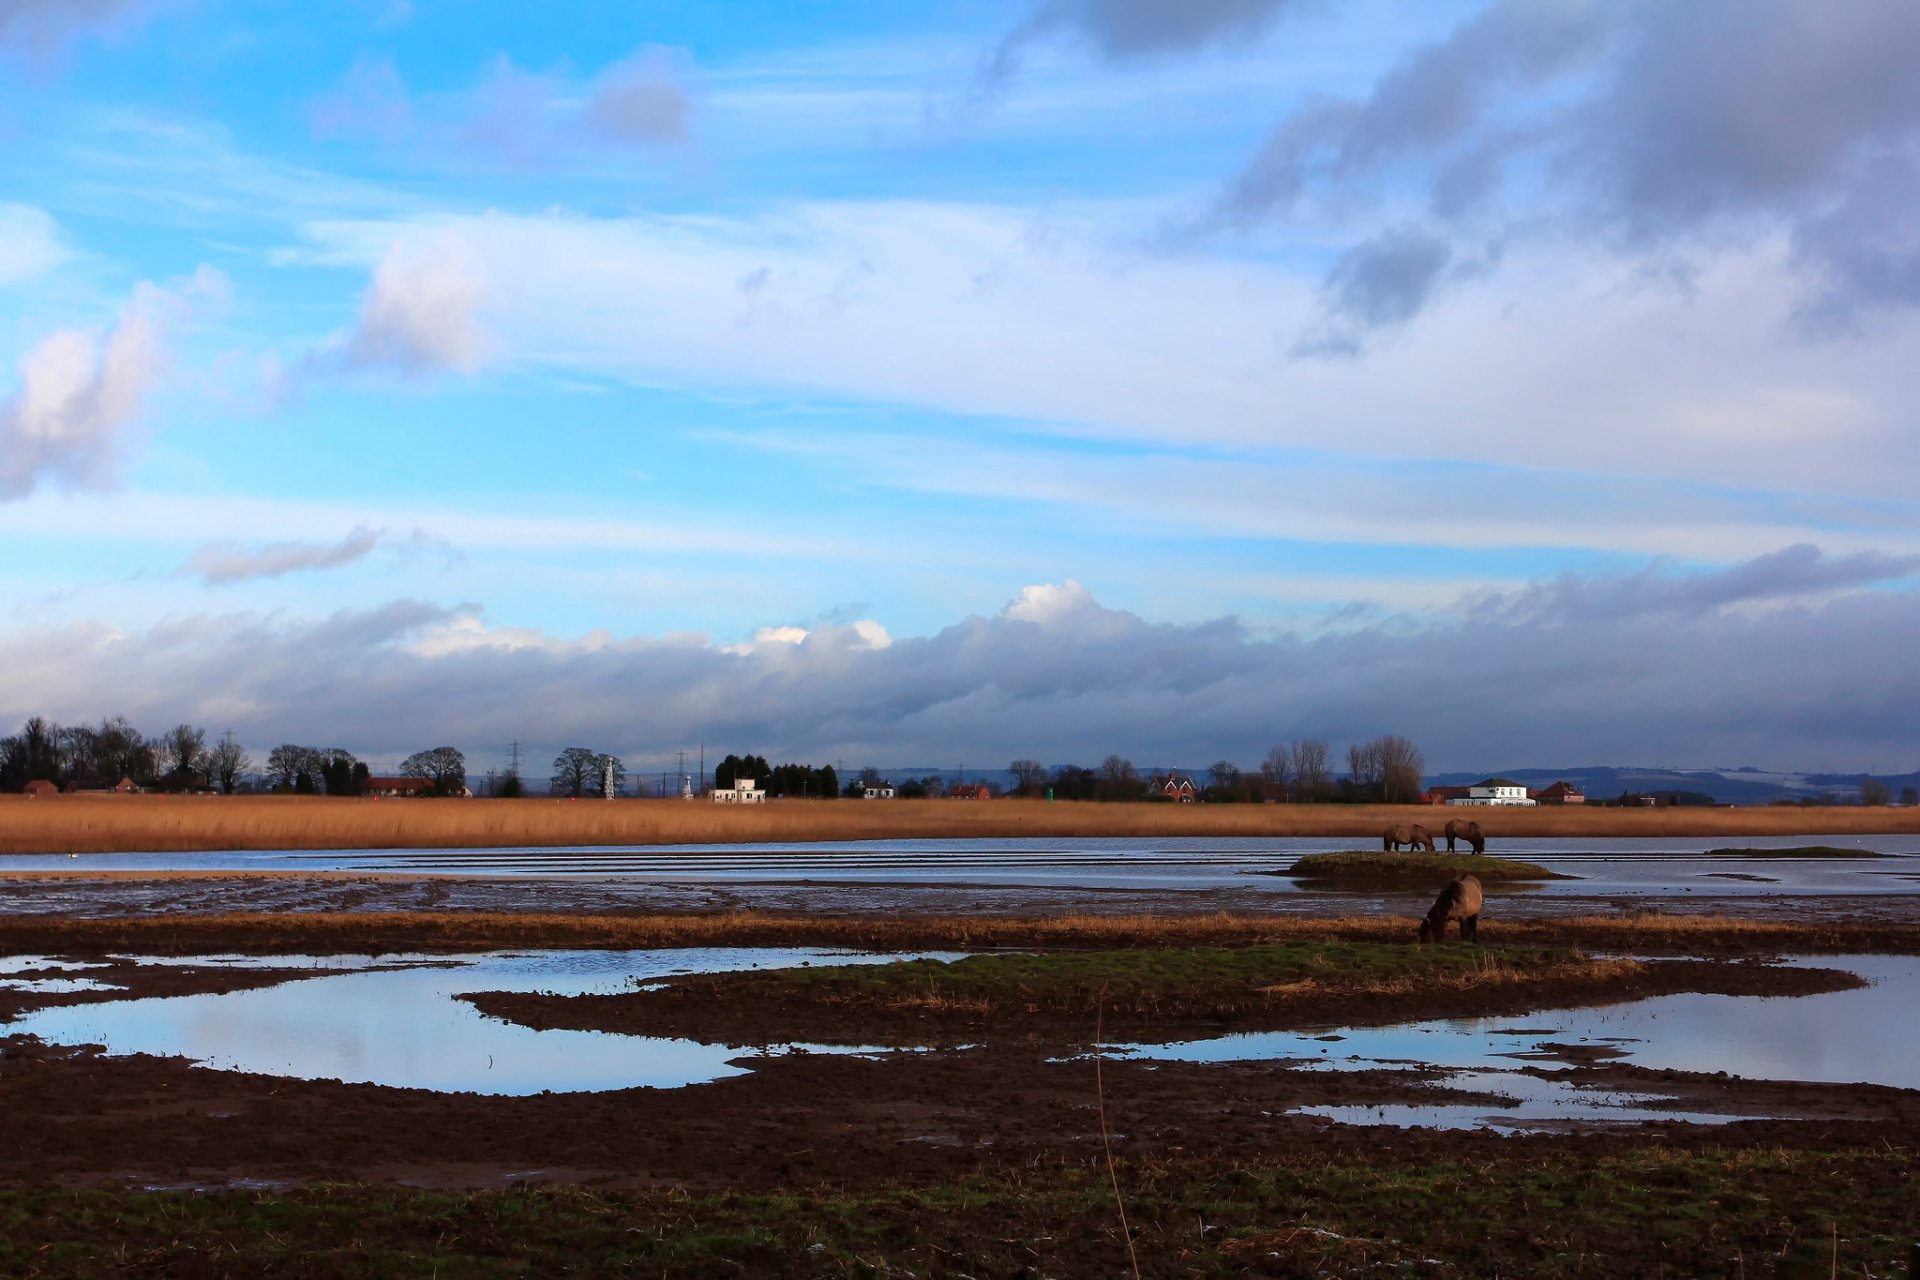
1796	851
1209	980
1438	868
1569	1211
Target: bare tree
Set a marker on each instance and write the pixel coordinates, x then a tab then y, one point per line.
1225	774
1874	792
1909	797
1278	766
1028	776
1401	767
227	761
1310	768
1118	770
1365	767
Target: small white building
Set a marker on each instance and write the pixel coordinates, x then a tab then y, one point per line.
1495	791
877	791
745	791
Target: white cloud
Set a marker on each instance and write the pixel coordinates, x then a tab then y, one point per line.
421	313
74	414
1567	361
30	244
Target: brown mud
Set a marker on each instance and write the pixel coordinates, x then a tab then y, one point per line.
80	1119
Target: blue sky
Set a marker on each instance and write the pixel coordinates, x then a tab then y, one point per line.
632	374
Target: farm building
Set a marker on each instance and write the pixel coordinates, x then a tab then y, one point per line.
743	791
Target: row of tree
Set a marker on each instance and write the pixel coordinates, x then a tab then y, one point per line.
182	759
802	780
1386	769
101	755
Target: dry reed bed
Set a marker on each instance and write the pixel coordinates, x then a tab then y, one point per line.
376	932
161	824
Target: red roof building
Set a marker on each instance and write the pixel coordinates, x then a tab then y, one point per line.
397	786
40	787
1560	793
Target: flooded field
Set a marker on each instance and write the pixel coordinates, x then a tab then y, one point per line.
400	1021
397	1021
1620	867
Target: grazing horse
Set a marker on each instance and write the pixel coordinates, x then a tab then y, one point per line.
1458	901
1415	837
1465	829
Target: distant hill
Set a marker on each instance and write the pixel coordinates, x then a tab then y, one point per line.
1728	786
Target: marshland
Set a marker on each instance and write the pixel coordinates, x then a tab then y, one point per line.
700	1061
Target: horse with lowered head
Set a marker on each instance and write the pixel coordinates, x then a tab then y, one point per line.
1468	830
1458	901
1414	837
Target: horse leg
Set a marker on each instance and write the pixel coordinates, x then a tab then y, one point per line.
1470	928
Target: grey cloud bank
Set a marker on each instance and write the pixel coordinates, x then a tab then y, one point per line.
1663	128
1580	668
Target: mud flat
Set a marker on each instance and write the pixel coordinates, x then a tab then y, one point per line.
985	1160
889	1155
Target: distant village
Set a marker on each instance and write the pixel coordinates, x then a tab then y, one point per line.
113	757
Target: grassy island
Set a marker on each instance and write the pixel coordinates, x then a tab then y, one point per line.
1361	864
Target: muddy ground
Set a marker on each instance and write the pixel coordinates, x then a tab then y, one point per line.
95	895
968	1154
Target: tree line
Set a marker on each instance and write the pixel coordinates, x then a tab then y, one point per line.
1386	769
98	757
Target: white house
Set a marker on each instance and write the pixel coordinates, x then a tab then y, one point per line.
877	791
745	791
1495	791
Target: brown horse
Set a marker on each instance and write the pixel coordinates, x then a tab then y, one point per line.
1468	830
1458	901
1414	837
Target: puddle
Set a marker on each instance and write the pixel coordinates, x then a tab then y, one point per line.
1519	1103
397	1022
57	986
39	964
1863	1036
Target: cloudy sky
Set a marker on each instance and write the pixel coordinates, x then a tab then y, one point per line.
947	383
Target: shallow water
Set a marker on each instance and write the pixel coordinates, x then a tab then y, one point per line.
1864	1036
397	1022
1614	866
1517	1103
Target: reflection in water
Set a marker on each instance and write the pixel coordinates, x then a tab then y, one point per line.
403	1026
1517	1103
1865	1035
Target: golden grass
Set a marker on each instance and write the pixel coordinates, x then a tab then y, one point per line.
159	824
450	931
